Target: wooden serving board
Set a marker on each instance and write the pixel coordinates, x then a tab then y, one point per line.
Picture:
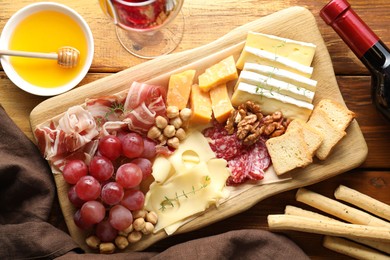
294	23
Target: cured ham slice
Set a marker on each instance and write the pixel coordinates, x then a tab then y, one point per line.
75	128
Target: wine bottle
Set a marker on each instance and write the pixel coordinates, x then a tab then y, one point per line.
366	45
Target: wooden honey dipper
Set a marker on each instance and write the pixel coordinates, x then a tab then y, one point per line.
67	57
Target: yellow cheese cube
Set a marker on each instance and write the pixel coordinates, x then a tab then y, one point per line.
220	103
179	88
218	74
200	105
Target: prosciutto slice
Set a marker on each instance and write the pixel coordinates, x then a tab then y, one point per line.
75	128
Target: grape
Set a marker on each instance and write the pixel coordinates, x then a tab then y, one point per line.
133	200
101	168
145	165
105	232
132	145
129	175
149	149
112	193
74	170
92	212
79	221
120	217
110	146
73	198
88	188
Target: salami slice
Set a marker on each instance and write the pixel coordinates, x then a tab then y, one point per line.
245	163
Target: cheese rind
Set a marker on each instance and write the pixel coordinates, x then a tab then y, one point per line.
274	85
250	54
220	103
179	88
271	101
200	105
283	75
218	74
298	51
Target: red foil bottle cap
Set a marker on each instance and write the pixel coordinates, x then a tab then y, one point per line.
333	9
348	25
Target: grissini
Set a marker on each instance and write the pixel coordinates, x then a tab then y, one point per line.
363	201
352	249
339	209
291	210
326	227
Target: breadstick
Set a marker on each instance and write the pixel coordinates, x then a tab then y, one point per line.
339	209
363	201
325	227
291	210
352	249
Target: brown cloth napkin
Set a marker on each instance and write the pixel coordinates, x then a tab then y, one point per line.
27	191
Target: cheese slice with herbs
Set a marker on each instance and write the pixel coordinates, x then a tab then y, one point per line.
271	101
283	75
255	55
274	85
298	51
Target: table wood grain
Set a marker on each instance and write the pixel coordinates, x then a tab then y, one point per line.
206	21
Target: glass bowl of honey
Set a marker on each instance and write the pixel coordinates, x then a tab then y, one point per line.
45	27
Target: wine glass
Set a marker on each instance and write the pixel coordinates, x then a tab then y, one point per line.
146	28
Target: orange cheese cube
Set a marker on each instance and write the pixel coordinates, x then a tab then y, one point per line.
220	103
179	88
200	105
218	74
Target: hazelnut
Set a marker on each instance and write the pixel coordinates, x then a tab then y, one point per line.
148	229
161	122
121	242
139	213
172	111
154	132
126	231
152	217
139	224
93	242
169	131
176	122
134	237
107	248
185	114
173	142
181	134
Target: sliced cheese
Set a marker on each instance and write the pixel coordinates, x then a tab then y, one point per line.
179	88
220	103
188	193
270	101
201	106
298	51
283	75
218	74
161	169
274	85
250	54
193	150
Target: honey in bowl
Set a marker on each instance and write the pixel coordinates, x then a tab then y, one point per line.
46	31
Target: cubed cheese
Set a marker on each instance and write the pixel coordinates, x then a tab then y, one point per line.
298	51
200	105
283	75
218	74
251	54
220	103
271	101
272	84
179	88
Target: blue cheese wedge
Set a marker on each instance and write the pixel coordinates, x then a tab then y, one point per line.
271	101
270	83
283	75
251	54
298	51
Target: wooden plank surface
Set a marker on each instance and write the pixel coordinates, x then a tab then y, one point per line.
205	22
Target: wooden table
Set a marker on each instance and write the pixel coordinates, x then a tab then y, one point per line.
206	21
